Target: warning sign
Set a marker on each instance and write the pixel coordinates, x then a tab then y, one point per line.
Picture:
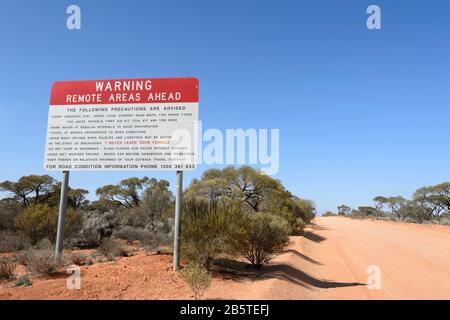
132	124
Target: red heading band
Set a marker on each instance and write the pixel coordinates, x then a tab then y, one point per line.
124	91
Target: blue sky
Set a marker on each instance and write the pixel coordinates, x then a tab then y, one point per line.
361	113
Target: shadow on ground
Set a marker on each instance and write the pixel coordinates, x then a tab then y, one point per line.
315	226
313	236
241	271
302	256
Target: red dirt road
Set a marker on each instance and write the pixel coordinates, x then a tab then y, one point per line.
330	262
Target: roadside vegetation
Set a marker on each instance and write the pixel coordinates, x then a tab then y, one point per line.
239	213
428	205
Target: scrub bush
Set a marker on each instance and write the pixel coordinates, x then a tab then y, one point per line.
130	234
42	261
12	242
111	249
7	269
209	230
80	259
98	226
266	236
198	279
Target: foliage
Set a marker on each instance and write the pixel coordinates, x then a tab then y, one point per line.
40	221
435	200
157	200
99	225
256	192
128	192
344	210
428	204
244	184
266	236
368	211
76	198
209	229
394	204
130	234
411	211
197	277
304	209
217	214
28	189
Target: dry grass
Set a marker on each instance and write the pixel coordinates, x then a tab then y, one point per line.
7	269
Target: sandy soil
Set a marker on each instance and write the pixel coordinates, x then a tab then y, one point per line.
136	277
329	261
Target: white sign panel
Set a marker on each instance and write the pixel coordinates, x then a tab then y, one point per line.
134	124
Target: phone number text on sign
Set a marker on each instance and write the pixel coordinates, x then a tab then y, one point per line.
135	124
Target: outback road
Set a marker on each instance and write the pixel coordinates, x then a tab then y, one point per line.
330	262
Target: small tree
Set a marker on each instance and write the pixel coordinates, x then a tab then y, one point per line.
396	204
434	199
29	189
344	210
380	201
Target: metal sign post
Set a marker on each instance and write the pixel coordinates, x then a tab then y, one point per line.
61	216
176	236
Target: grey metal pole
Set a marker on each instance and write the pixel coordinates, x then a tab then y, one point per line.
176	236
62	216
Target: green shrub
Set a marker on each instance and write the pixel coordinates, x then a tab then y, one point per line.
40	221
198	279
266	236
7	269
209	230
304	209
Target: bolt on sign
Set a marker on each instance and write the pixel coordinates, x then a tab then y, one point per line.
133	124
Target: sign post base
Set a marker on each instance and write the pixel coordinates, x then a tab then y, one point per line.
61	216
176	237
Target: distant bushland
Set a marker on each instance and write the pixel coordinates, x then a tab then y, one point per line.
429	204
